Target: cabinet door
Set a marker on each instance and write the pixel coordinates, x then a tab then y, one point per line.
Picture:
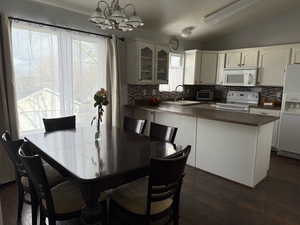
296	55
250	58
220	69
272	66
162	65
146	63
208	68
233	59
192	68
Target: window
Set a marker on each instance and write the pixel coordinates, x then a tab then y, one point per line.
175	73
56	74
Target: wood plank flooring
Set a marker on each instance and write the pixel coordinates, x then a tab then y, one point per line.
211	200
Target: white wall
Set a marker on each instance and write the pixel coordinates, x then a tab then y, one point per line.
282	29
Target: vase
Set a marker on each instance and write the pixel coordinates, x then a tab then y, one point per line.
99	119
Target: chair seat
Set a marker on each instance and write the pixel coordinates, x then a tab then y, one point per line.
133	198
67	198
53	176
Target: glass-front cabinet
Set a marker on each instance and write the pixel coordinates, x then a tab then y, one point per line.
162	65
147	63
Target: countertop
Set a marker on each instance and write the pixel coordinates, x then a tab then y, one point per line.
205	111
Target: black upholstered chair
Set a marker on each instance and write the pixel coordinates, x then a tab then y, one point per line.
134	125
61	202
162	132
62	123
154	198
25	190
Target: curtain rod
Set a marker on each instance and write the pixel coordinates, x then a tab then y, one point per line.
61	27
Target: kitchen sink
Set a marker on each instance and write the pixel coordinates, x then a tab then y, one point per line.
182	102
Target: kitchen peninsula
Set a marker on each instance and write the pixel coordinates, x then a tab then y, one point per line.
232	145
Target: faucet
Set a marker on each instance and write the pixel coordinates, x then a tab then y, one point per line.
182	97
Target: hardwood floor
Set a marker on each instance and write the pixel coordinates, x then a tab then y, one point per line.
211	200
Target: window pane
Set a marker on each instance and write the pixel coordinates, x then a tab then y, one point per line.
35	55
89	59
175	73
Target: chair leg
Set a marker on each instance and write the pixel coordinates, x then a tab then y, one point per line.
20	203
34	208
42	217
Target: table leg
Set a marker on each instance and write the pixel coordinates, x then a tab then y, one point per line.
93	213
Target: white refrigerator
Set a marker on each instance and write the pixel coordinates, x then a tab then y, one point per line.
289	134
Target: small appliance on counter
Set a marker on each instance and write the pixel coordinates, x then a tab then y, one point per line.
239	101
205	95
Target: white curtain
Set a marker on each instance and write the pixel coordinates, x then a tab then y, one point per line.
57	74
8	115
114	82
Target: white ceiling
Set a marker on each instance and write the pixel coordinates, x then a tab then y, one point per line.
169	17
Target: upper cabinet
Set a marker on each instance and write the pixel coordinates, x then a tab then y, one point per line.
208	70
243	58
296	54
272	65
200	67
192	64
162	65
220	68
147	63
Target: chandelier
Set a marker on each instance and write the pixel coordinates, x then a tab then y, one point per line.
114	17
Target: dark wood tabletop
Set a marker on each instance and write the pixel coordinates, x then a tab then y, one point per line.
117	152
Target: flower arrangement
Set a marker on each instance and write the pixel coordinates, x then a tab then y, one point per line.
101	99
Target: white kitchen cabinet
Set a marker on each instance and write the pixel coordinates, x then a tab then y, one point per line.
209	62
272	65
296	54
192	64
250	58
220	69
147	63
242	58
270	112
186	134
233	59
162	64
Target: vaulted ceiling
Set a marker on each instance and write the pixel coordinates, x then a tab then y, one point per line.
170	17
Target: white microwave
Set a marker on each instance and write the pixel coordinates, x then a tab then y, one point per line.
240	77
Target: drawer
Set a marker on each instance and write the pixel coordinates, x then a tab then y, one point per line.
267	112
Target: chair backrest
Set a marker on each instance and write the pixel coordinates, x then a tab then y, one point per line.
62	123
12	148
166	178
134	125
36	173
162	132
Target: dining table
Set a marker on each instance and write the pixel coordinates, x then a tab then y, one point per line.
98	164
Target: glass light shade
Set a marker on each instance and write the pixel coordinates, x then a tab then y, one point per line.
135	21
98	16
125	27
118	15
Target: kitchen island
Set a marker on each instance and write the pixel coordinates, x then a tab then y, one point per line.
232	145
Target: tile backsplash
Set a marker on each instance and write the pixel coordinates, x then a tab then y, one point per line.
144	92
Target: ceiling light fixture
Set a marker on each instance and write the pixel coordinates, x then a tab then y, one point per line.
187	32
114	17
227	11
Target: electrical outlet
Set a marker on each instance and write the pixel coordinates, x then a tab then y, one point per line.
144	92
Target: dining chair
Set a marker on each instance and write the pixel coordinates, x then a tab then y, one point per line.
154	198
134	125
25	190
162	132
61	202
61	123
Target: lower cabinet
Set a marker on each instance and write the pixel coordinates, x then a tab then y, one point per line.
270	112
186	134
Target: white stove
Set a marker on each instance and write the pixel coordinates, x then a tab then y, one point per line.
239	101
